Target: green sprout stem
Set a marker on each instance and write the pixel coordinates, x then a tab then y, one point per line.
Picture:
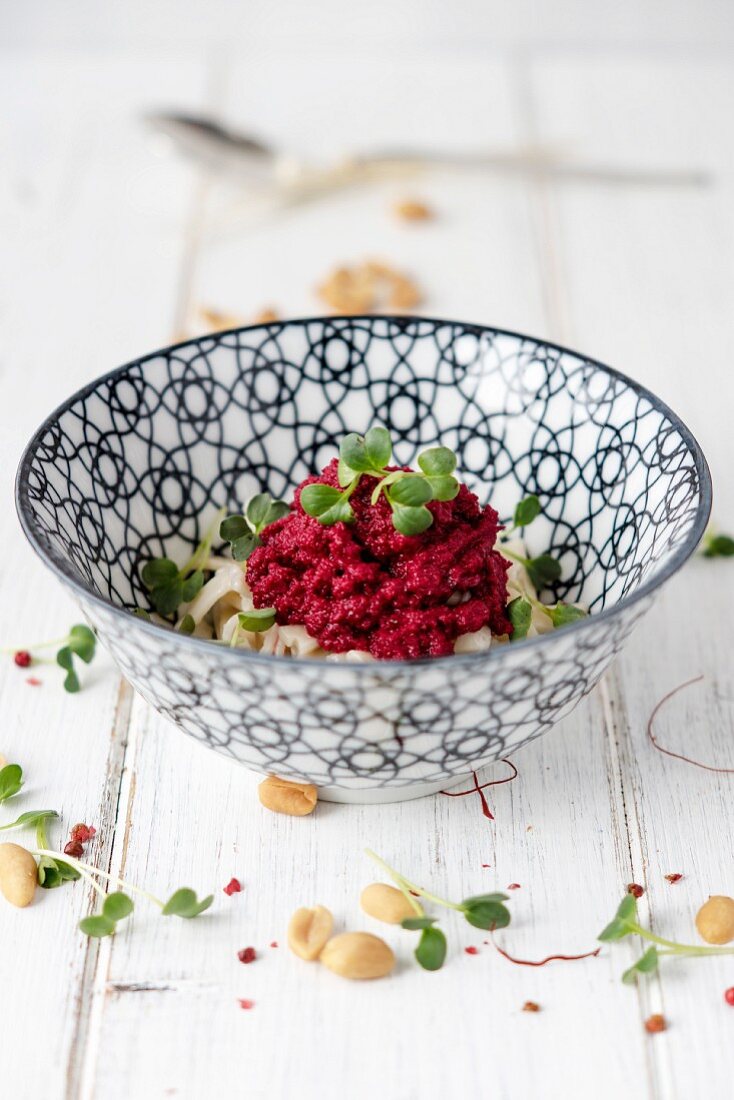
203	551
405	886
679	948
86	871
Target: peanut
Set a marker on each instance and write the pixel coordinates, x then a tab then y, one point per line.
715	919
413	210
358	955
308	931
385	903
283	796
18	874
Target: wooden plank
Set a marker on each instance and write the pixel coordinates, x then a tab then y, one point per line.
87	283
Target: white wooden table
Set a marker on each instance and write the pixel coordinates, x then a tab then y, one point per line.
107	251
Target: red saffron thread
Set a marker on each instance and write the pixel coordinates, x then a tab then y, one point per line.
550	958
669	752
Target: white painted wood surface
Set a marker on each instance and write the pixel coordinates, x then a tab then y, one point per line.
107	250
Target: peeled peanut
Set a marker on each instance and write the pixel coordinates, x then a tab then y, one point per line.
385	903
715	919
308	931
18	874
358	955
283	796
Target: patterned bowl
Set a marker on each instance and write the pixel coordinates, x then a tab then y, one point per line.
134	466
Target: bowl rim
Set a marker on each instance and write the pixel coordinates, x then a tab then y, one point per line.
66	575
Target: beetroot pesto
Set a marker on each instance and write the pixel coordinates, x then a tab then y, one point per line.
370	561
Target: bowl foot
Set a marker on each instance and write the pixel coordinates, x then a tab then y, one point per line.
377	796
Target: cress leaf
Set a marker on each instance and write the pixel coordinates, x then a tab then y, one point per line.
184	903
49	876
345	474
97	926
30	817
257	511
487	914
437	461
166	597
646	964
261	618
159	571
317	499
141	613
11	780
411	521
66	871
615	930
353	453
564	613
520	613
117	906
278	509
234	527
413	924
526	511
83	642
243	547
718	546
187	625
543	570
482	898
431	950
192	586
378	447
627	909
444	488
340	512
412	491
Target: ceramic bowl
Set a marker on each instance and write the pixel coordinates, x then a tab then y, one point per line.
135	465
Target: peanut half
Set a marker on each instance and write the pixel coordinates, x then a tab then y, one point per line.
18	874
715	919
358	955
308	931
283	796
385	903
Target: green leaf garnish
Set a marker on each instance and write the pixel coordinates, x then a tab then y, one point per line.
187	624
82	642
520	614
526	511
411	521
717	546
191	587
411	491
117	906
97	926
437	462
431	950
66	661
184	903
260	618
54	872
414	924
11	780
564	613
543	570
30	817
486	913
317	499
625	920
646	964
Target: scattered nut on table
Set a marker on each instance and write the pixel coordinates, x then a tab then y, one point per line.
18	874
308	931
413	210
385	903
358	955
715	919
369	286
284	796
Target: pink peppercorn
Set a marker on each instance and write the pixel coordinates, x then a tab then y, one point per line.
247	955
244	1003
74	848
729	995
233	887
472	950
22	658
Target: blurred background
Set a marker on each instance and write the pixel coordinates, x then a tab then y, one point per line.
593	206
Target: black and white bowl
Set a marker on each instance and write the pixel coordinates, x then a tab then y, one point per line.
135	465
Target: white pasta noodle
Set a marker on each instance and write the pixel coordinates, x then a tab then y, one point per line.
216	609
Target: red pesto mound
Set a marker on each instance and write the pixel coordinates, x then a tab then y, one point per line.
363	585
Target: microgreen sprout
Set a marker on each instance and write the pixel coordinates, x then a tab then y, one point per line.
526	511
260	618
80	642
520	610
11	780
485	911
406	491
626	923
170	586
717	546
243	532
